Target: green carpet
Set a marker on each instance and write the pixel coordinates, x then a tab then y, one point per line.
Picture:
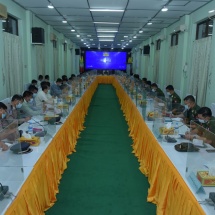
102	177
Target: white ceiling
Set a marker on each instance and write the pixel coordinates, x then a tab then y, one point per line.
134	18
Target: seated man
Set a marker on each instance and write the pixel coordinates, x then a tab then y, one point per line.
176	100
148	86
191	109
42	99
207	121
12	109
34	82
26	109
46	78
55	88
157	91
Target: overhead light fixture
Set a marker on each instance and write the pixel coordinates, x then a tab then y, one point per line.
164	9
126	44
106	10
125	36
89	35
118	44
149	23
93	44
77	35
112	48
64	21
122	40
122	47
105	36
91	39
130	41
108	40
50	6
84	43
108	23
73	30
82	39
140	31
134	37
211	11
107	31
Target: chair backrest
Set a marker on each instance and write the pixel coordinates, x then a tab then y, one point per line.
213	109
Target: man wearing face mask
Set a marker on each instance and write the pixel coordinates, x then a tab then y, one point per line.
26	109
55	88
176	100
159	93
13	106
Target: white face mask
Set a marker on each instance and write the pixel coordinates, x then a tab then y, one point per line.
186	107
202	120
34	95
19	105
168	93
48	92
31	100
3	115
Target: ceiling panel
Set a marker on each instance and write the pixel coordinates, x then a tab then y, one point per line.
44	11
28	3
74	12
140	13
110	4
70	3
146	4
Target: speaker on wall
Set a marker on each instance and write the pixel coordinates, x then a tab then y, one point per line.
77	51
38	36
146	50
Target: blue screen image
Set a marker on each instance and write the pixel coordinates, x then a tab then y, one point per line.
105	60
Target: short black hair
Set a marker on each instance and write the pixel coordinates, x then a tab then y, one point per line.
47	77
205	111
190	98
40	77
64	77
34	81
148	83
59	80
32	88
3	106
16	97
144	79
27	94
43	83
169	87
154	85
48	83
44	87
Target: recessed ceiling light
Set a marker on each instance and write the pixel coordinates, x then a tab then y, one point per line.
77	35
64	21
126	44
130	41
118	44
149	23
73	30
84	43
105	36
211	11
134	37
82	39
108	23
105	10
108	40
164	9
122	47
141	32
107	31
91	39
50	6
125	36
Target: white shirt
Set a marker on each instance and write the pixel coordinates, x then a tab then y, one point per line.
40	98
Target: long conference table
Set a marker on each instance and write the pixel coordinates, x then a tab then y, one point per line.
168	189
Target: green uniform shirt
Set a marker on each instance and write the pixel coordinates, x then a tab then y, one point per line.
175	98
191	113
210	125
160	93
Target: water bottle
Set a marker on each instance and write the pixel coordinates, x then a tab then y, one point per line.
176	128
30	128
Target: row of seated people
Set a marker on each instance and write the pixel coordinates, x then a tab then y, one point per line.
189	112
33	102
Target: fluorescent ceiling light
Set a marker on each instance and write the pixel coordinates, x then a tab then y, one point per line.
77	35
82	39
84	43
64	21
211	11
89	35
130	41
108	40
73	30
108	23
210	25
164	9
122	40
106	31
105	36
106	10
126	44
50	6
122	47
134	37
149	23
141	32
125	36
118	44
91	39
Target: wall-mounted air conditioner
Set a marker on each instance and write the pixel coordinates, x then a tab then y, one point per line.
211	15
3	12
180	28
161	37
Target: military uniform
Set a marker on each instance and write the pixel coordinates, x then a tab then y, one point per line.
176	100
210	125
160	93
191	113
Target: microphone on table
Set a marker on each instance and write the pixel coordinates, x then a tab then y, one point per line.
40	133
171	139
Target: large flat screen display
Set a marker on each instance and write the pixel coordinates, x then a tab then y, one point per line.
105	60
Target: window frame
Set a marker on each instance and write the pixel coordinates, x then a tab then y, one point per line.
7	27
175	34
158	44
207	22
